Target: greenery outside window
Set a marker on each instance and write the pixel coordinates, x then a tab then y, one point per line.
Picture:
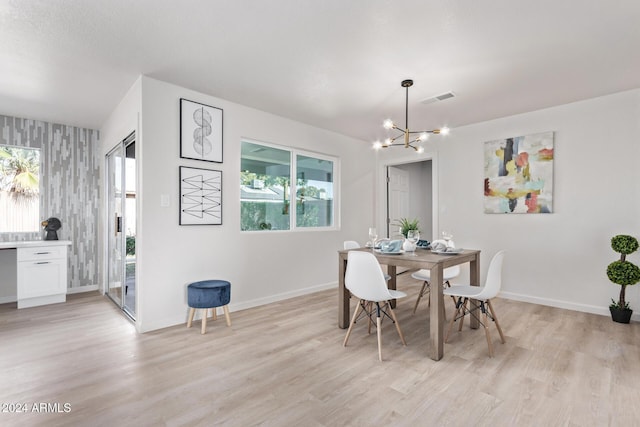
266	189
19	189
314	192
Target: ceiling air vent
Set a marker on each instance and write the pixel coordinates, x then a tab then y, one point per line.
437	98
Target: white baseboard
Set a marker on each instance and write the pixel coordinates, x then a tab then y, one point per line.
14	298
283	296
81	289
6	300
585	308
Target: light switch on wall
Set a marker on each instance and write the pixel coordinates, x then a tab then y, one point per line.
164	201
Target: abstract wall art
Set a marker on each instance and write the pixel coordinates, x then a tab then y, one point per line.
518	174
200	196
200	131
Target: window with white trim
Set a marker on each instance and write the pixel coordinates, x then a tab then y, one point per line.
267	190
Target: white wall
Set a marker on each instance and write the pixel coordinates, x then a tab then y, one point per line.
556	259
262	266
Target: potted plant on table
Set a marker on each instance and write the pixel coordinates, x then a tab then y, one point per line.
623	273
406	225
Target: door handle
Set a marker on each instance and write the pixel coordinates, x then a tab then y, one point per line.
118	225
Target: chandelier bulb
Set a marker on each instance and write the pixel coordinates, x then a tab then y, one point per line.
444	131
423	136
387	124
387	141
377	145
420	150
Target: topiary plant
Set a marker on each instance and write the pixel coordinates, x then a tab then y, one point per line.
623	272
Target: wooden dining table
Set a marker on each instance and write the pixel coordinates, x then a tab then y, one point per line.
421	259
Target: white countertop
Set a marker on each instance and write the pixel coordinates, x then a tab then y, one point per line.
31	243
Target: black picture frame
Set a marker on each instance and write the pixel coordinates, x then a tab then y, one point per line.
201	136
200	196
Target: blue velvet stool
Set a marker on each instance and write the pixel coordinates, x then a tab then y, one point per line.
208	294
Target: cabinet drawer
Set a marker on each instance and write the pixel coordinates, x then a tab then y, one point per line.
42	252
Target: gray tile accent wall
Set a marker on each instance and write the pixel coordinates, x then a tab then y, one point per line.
69	188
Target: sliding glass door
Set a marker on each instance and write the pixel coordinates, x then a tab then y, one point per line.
121	225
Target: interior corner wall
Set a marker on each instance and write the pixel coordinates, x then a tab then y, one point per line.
557	259
262	266
69	183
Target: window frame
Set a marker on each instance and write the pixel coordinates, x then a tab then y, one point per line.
37	225
293	186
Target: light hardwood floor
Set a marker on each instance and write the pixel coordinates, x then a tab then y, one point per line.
283	364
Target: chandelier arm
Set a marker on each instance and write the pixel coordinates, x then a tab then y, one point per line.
398	136
425	131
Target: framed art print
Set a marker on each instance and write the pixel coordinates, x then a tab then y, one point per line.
200	196
518	174
200	131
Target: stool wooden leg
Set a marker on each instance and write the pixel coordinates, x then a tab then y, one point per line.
204	320
192	311
226	314
214	313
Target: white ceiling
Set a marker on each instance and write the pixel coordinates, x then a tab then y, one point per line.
336	64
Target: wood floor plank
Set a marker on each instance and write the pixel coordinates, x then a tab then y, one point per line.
283	364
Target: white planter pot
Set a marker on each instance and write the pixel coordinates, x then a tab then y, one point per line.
408	246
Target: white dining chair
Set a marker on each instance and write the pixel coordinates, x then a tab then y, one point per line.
352	244
425	276
470	299
365	280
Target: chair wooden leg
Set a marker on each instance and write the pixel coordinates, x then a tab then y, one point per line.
205	312
192	311
495	319
453	319
379	326
395	320
420	295
214	313
226	314
485	320
353	320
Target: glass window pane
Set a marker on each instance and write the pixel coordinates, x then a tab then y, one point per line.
265	186
19	189
314	194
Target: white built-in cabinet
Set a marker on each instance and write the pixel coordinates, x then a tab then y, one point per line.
41	272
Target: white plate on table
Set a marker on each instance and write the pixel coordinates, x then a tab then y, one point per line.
389	253
455	251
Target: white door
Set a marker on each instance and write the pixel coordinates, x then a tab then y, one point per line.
398	194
